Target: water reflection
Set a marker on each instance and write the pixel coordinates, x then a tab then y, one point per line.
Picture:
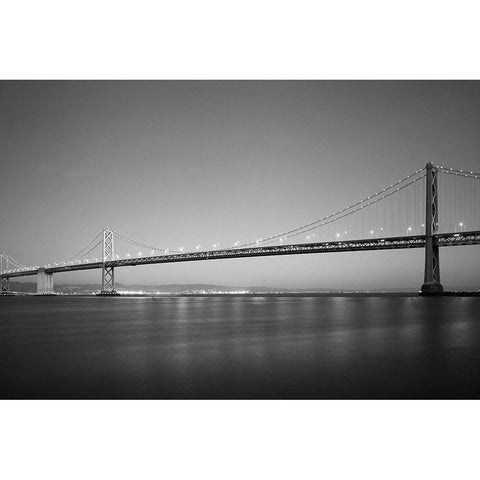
240	347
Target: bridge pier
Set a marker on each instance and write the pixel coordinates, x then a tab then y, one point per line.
431	284
44	283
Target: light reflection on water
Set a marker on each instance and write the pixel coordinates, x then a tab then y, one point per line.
240	347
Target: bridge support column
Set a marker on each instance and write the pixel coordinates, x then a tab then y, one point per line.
44	282
431	284
108	274
108	282
6	286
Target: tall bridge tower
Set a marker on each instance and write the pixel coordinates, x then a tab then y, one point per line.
431	282
3	267
108	274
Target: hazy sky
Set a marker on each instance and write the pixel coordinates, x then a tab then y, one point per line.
186	163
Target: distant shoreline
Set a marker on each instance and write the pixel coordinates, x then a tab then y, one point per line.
313	294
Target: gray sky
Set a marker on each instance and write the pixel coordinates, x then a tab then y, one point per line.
186	163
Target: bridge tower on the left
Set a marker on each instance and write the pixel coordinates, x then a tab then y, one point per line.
3	268
108	274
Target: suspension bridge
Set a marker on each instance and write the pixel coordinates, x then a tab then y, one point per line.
403	215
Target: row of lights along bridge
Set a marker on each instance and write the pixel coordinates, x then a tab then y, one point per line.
339	236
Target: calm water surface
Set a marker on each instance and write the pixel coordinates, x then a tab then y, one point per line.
239	347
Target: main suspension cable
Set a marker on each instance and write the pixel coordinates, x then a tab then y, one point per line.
137	243
81	252
338	214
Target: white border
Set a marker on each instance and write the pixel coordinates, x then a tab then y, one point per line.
240	40
239	440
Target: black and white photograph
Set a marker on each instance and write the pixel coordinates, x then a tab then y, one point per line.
280	268
240	239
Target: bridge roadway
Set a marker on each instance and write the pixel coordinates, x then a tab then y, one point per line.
387	243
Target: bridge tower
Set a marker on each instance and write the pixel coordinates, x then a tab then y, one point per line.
5	286
5	281
431	283
108	275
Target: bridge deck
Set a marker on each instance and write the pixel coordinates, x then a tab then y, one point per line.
387	243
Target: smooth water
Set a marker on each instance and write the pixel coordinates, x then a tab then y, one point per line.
239	347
